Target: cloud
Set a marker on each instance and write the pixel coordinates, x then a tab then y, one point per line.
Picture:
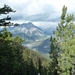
46	25
43	13
38	10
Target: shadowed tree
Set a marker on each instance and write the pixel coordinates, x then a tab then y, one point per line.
11	61
54	50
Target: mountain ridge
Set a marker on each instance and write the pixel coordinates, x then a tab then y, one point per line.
33	35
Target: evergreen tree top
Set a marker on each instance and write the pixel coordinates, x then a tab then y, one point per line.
6	9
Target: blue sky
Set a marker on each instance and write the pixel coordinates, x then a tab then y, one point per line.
41	12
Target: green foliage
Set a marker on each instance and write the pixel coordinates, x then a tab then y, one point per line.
10	55
65	41
5	10
11	58
54	50
39	66
66	35
36	61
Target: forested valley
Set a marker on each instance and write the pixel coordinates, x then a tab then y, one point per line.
16	59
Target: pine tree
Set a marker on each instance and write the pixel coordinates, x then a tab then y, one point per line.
5	10
65	36
11	61
54	50
39	67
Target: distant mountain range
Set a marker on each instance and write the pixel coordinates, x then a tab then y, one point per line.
49	31
27	30
35	38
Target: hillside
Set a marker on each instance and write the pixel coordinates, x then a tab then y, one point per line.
34	55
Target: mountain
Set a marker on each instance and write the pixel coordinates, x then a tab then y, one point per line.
44	47
49	30
35	38
27	30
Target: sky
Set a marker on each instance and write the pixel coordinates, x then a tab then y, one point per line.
43	13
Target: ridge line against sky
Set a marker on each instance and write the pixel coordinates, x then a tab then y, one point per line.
40	12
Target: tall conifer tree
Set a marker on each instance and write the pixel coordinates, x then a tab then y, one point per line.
11	62
65	36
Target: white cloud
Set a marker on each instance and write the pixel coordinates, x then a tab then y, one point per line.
41	11
45	25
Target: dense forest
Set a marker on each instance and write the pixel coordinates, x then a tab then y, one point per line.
16	59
